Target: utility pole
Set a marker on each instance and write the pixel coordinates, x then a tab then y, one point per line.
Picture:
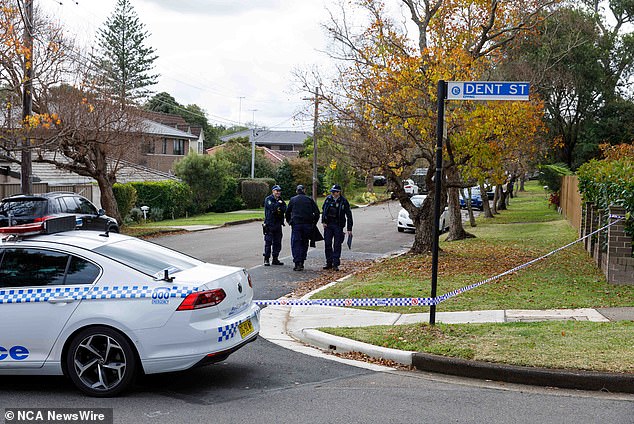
315	120
253	145
240	110
27	98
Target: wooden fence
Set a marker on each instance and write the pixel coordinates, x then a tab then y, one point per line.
570	200
86	190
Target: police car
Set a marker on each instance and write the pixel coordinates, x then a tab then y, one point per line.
101	308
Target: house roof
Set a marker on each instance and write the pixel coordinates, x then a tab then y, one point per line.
264	136
46	172
156	128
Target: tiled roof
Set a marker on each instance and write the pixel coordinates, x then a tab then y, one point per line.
264	136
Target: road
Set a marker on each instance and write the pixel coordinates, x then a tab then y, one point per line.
267	383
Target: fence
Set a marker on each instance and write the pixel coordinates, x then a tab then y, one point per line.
86	190
570	200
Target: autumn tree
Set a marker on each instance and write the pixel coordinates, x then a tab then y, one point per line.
125	62
385	95
581	59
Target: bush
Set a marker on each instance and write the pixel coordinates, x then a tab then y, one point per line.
172	196
254	192
609	182
230	200
156	214
550	175
135	215
126	196
207	177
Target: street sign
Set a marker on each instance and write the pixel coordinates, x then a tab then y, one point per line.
487	90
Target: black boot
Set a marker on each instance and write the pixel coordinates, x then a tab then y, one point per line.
266	262
301	266
327	266
276	261
298	267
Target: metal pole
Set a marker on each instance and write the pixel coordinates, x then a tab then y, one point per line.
253	146
315	180
442	93
27	98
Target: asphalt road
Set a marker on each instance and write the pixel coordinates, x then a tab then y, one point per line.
266	383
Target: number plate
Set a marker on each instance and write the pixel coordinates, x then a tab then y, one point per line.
245	328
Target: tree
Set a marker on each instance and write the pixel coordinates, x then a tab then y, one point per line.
238	153
125	63
385	96
207	175
193	114
90	137
581	59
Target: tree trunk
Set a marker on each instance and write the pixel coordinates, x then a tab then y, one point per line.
502	195
486	207
456	229
108	201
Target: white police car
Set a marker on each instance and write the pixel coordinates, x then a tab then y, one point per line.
101	308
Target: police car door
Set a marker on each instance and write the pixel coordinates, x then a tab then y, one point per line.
39	291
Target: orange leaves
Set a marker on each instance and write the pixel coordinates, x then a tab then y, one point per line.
43	120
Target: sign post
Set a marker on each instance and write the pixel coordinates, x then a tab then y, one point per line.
462	90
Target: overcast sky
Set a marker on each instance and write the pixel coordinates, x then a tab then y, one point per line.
213	52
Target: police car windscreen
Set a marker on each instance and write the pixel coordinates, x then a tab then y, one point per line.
146	257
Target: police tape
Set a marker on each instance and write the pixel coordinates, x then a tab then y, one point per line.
422	301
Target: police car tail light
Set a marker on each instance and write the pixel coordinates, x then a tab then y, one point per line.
203	299
249	279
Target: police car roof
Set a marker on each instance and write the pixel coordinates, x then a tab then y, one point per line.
89	240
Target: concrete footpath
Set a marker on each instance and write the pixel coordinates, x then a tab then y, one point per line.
285	325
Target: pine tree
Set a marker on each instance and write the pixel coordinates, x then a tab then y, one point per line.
125	63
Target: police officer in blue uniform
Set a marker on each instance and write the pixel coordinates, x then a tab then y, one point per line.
335	217
274	209
303	214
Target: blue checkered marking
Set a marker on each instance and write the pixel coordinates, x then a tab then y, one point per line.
37	295
227	332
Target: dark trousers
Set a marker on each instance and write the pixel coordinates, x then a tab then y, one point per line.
333	239
300	236
273	239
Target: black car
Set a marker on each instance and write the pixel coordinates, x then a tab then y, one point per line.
25	209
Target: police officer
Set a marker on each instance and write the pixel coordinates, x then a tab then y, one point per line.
274	209
302	213
336	215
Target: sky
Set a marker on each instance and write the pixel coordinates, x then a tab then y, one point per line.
233	58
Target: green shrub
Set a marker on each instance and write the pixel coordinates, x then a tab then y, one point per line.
609	182
207	177
550	175
172	196
230	200
126	196
156	214
254	192
135	215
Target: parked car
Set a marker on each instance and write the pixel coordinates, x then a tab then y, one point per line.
102	310
24	209
404	222
410	188
476	199
379	180
418	176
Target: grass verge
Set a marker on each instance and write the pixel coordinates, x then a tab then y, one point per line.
566	279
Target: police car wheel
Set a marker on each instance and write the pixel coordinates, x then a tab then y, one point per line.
100	362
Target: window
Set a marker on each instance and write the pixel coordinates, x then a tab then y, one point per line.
69	205
285	147
179	147
164	149
19	208
85	206
39	267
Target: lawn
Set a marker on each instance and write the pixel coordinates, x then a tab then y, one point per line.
566	279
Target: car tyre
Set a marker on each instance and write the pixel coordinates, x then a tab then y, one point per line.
101	362
400	230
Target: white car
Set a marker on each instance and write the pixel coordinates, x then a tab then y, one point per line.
410	187
404	222
101	308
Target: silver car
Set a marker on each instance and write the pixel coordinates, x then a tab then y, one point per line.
101	308
404	221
